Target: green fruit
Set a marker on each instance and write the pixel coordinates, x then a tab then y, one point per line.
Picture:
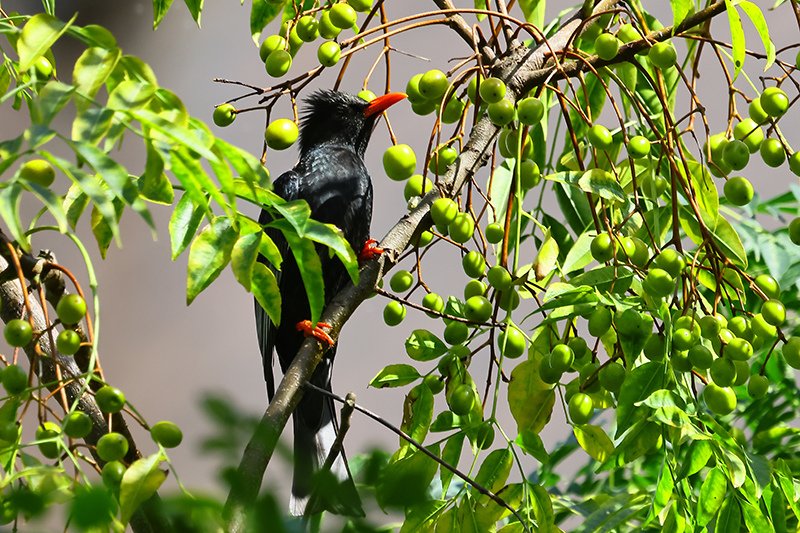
653	186
748	132
77	425
327	30
43	68
453	111
509	300
495	232
166	433
412	89
530	111
478	309
794	163
654	347
492	90
679	359
659	282
723	372
499	278
768	285
281	134
441	159
343	16
474	264
417	185
774	101
580	408
758	386
612	376
71	309
295	42
700	356
740	327
433	382
112	446
603	248
547	372
773	153
689	322
361	5
529	174
710	326
68	342
736	155
455	333
461	228
586	374
15	379
18	332
581	351
738	191
270	44
638	147
328	53
629	323
794	230
662	55
561	357
599	321
756	112
774	312
366	95
682	339
600	137
511	342
461	400
512	145
307	28
434	302
627	33
474	287
739	350
110	399
224	115
670	260
721	400
484	436
399	162
502	112
113	473
433	84
9	431
48	430
401	281
394	313
443	212
791	353
742	372
278	63
606	46
762	329
38	171
422	239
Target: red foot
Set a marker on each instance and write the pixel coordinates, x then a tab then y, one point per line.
370	251
317	332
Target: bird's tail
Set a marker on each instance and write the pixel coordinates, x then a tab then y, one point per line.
332	490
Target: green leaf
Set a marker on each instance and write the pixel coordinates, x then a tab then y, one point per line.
729	517
547	258
140	481
530	399
265	288
613	512
395	376
75	203
160	8
756	16
174	131
52	99
109	170
209	253
417	414
332	237
495	469
102	229
195	8
641	382
269	250
422	345
91	124
712	494
243	257
680	8
579	255
533	11
261	13
698	456
37	36
9	211
531	443
664	489
183	224
451	455
91	71
754	518
594	441
737	37
130	94
248	166
305	255
154	184
52	202
730	242
405	482
94	35
601	183
419	517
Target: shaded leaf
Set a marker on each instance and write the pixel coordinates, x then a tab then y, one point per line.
395	376
209	253
265	288
140	481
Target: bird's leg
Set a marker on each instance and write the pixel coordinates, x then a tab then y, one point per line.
369	251
310	330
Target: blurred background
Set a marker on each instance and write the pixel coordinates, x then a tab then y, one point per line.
167	356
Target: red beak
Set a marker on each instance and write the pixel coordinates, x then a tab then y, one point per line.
382	103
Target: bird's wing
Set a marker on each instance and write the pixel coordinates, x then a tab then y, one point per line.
287	187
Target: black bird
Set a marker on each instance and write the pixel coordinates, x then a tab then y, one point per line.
331	176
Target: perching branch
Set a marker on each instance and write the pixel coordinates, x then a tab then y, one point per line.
522	69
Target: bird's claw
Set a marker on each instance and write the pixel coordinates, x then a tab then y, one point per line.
370	250
309	330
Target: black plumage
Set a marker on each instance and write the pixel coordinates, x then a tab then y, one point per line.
331	176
